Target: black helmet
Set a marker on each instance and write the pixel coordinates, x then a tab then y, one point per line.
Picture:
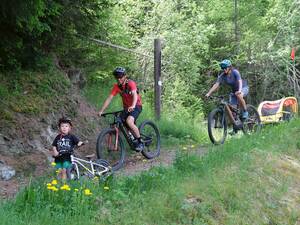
65	120
119	72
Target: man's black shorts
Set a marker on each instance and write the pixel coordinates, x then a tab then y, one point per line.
135	113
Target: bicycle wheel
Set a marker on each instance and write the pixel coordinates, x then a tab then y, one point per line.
252	124
99	169
151	138
288	115
111	148
73	172
217	126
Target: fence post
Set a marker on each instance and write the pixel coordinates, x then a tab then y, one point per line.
157	77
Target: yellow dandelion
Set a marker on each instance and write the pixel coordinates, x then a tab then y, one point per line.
54	182
87	192
54	189
106	188
57	171
48	184
65	187
53	164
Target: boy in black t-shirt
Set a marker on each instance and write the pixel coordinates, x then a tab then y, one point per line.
63	146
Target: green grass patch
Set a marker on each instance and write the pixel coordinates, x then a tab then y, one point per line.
251	180
31	92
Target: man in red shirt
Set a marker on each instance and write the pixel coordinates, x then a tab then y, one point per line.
132	102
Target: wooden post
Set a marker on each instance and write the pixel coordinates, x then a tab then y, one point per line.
157	77
236	32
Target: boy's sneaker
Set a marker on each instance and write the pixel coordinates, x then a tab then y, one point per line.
140	147
245	115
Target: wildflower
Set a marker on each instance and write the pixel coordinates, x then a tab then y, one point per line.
87	192
106	188
57	171
54	182
48	184
65	187
53	164
96	178
53	188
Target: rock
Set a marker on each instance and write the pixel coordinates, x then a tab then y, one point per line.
6	172
3	145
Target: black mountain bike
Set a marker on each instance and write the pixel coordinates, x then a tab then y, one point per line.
110	143
219	123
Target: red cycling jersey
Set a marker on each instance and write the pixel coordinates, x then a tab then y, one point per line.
127	98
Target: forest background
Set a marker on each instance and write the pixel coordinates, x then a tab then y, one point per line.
258	36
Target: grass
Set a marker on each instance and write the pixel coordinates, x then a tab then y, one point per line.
30	92
251	180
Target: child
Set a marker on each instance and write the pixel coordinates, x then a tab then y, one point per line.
63	146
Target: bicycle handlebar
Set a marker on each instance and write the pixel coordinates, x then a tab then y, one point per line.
111	113
217	97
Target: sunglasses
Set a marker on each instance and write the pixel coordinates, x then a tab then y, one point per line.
119	76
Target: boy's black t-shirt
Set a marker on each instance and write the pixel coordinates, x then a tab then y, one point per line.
65	145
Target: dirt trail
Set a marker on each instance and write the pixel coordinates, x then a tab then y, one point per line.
137	163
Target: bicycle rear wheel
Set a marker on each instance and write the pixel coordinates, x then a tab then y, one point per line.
252	124
217	126
151	138
110	147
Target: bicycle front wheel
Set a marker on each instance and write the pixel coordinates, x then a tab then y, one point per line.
252	124
151	138
217	126
110	147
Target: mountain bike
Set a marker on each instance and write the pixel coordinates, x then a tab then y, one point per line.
110	144
219	120
88	168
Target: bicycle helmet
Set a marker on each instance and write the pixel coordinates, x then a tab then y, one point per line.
225	64
119	72
65	120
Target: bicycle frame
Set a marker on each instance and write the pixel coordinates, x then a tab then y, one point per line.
228	109
90	169
118	125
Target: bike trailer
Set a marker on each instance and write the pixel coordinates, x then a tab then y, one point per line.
279	110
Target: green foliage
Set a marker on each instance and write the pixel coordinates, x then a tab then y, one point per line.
30	30
31	92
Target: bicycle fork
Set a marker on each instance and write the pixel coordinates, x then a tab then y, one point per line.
110	139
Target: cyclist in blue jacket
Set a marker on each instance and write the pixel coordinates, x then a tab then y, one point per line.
231	76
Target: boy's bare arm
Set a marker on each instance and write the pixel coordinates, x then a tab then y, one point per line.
54	151
80	143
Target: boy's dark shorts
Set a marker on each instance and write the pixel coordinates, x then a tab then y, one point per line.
135	113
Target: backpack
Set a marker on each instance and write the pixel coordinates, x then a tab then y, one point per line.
126	90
